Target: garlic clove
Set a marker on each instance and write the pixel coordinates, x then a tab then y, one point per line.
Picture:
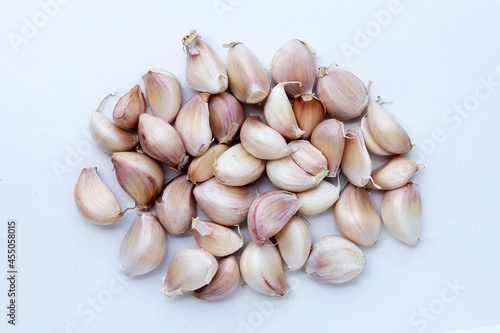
163	93
226	116
286	175
334	260
129	108
143	247
294	243
357	217
279	115
394	174
329	138
309	158
356	163
193	124
161	141
236	167
224	282
95	200
343	93
370	142
319	198
176	206
202	167
269	213
216	239
261	140
262	269
140	176
248	79
309	112
189	269
402	213
226	205
205	71
294	61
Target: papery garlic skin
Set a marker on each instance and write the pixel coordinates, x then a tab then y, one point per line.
309	112
370	141
319	198
202	167
357	217
193	124
394	174
329	138
226	116
262	269
335	260
163	93
343	93
294	243
248	79
401	211
309	158
140	176
294	61
143	247
189	269
216	239
176	206
205	71
129	108
95	200
224	282
223	204
237	167
356	163
286	175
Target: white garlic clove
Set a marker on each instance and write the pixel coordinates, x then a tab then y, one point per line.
402	213
143	247
129	108
262	269
356	163
357	217
394	174
205	71
176	206
248	79
193	124
309	112
224	282
189	269
334	260
216	239
226	116
223	204
269	213
163	93
329	138
309	158
294	243
319	198
236	167
140	176
202	167
286	175
370	141
343	93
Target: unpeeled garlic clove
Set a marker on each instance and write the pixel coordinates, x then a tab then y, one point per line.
143	247
269	213
202	167
402	213
223	204
161	141
129	108
357	217
279	115
262	269
370	141
309	112
95	200
356	163
343	93
294	61
261	140
334	260
319	198
236	167
216	239
193	124
224	282
309	158
286	175
205	71
294	243
226	116
248	79
394	174
329	138
176	206
189	269
140	176
163	93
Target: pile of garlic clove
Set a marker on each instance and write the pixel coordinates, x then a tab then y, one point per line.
300	143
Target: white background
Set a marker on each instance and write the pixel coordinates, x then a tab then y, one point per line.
429	57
